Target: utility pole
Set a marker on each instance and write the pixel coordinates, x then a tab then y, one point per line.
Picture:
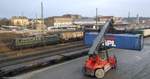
128	20
96	18
42	10
42	16
128	14
42	27
138	19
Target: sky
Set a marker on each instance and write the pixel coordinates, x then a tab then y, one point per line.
31	8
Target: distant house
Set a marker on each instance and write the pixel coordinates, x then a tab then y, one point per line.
19	21
87	23
38	24
58	21
38	21
101	20
73	16
104	19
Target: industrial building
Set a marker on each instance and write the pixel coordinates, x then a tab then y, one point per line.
19	21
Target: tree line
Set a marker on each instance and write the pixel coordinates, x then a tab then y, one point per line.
4	21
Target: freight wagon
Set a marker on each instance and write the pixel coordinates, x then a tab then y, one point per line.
144	32
70	36
51	39
34	41
122	41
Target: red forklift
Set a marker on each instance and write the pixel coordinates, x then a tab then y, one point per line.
99	62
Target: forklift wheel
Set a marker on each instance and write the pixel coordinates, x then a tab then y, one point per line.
99	73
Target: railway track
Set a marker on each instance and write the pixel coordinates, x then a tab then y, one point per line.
15	53
12	57
42	57
36	56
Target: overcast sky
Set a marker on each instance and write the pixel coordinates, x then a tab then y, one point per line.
31	8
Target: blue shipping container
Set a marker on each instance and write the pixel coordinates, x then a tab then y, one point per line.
122	41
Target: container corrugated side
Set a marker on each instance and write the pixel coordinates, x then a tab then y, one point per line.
122	41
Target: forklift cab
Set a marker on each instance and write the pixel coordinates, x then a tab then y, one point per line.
99	63
102	55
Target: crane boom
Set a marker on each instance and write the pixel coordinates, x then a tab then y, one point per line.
99	38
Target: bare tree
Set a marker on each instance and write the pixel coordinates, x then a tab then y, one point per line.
4	21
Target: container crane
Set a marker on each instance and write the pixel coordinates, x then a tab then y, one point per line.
96	65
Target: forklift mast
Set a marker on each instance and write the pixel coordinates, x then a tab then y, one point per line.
97	42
